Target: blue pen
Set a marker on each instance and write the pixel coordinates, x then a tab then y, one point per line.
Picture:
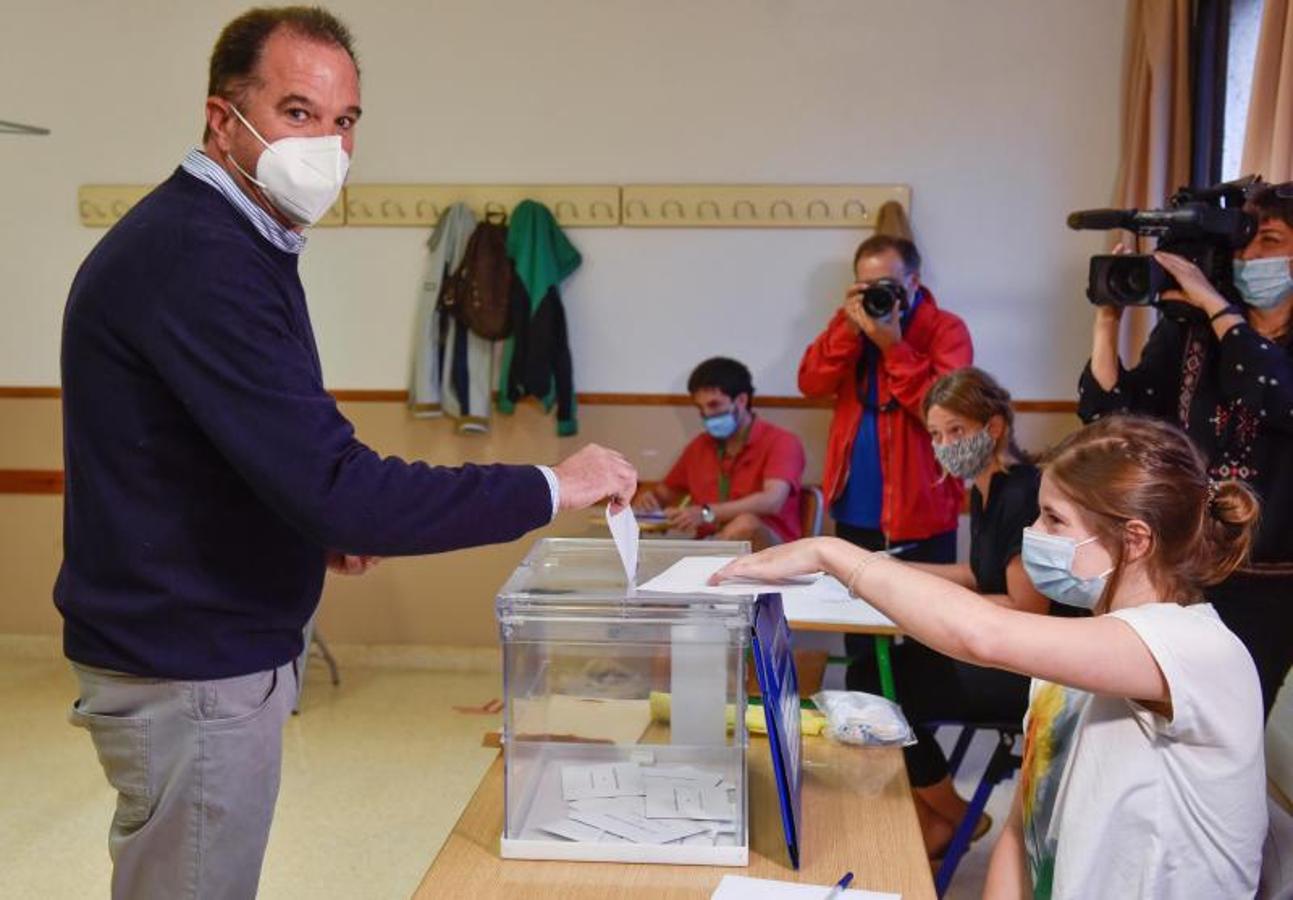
839	886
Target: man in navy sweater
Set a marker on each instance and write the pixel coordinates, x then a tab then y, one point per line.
211	479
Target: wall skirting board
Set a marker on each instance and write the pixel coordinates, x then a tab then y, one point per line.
575	205
394	395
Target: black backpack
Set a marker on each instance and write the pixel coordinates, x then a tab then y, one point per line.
478	294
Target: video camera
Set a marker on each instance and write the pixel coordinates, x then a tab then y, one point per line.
1204	225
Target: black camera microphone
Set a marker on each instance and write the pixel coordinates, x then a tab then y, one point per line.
1145	221
1101	219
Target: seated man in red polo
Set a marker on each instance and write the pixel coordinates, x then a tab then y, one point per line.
740	478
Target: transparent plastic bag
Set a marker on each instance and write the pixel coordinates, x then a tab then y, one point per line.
853	717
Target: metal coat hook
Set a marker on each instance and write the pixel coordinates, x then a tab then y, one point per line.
628	209
736	209
574	210
790	210
387	205
425	209
712	204
592	211
861	208
19	128
826	209
664	209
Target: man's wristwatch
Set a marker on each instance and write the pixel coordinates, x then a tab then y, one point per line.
707	514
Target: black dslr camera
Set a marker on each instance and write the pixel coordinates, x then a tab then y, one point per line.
882	296
1204	225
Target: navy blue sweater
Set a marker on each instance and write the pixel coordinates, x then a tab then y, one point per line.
208	471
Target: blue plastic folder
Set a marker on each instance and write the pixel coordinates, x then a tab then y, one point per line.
774	664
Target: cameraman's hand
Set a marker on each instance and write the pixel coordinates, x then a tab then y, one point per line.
884	333
853	310
1196	290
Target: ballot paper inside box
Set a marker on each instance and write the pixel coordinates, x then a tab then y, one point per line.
590	773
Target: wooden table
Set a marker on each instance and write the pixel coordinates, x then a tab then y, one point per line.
858	816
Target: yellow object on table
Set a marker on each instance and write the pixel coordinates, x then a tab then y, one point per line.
811	722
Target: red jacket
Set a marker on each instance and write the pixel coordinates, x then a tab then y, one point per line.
918	501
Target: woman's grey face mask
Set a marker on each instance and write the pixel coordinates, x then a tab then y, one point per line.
967	457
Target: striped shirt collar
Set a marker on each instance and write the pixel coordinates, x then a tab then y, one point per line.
203	168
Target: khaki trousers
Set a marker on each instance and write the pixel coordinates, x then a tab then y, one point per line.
196	768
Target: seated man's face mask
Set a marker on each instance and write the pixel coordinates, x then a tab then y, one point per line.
301	176
721	425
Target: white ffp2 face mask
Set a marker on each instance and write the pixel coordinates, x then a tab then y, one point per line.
302	176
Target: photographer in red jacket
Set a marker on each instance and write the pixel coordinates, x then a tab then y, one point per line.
881	479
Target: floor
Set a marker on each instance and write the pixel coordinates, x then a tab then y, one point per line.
375	774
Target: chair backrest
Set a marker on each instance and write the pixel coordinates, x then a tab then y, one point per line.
812	510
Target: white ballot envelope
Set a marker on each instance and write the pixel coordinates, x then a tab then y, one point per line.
626	533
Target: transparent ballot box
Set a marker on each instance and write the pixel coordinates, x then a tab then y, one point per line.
624	723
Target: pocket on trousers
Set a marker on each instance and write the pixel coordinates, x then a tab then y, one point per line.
234	702
122	745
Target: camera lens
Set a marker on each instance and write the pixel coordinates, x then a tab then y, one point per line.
877	302
879	299
1129	284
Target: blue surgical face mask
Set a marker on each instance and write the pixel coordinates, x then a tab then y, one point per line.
721	426
1048	560
1264	283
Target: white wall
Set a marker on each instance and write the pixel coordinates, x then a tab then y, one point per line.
1001	114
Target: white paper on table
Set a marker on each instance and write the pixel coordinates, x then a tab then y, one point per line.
739	887
624	529
829	603
682	775
690	575
610	780
640	829
680	801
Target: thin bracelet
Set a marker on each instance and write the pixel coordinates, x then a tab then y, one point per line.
1229	310
857	570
